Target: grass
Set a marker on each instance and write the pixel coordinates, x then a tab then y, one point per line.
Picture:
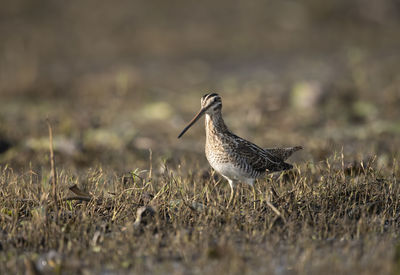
336	218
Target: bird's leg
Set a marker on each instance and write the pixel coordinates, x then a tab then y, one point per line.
232	195
232	184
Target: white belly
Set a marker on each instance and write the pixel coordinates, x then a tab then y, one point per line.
231	172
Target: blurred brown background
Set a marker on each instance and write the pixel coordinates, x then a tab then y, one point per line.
117	78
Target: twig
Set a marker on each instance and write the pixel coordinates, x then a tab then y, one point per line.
53	165
151	163
273	208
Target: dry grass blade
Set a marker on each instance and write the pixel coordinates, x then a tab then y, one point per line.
53	167
52	161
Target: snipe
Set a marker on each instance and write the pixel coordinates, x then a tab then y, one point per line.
235	158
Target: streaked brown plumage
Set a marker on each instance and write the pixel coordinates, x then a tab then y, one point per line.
233	157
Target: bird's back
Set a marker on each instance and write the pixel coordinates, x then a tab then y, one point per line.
249	160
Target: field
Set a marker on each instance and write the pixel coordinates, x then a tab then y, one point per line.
118	83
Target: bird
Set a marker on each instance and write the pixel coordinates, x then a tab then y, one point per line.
235	158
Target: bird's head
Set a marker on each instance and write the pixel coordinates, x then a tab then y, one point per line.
210	104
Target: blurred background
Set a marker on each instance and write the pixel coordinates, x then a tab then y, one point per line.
118	78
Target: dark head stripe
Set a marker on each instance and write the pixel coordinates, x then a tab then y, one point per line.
207	96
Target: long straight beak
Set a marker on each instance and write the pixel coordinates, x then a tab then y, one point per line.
193	121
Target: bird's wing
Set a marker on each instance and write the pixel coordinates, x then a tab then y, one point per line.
258	158
283	153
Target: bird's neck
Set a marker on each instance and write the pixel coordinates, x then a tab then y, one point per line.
215	124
